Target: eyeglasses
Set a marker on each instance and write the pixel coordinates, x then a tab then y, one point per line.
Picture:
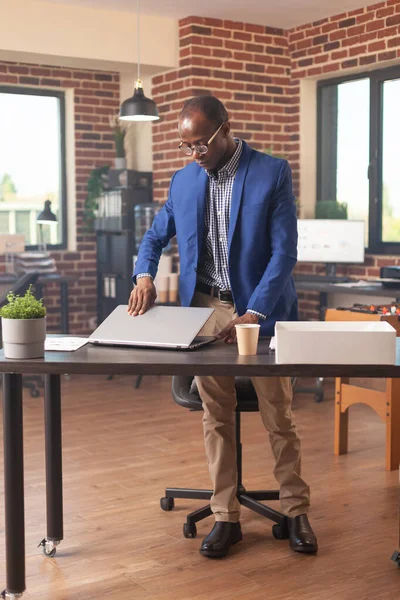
201	149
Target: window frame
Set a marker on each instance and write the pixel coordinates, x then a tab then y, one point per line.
377	78
33	91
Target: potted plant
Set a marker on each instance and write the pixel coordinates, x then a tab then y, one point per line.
330	209
23	322
119	132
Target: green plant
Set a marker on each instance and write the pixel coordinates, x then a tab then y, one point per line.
23	307
95	187
330	209
271	152
119	132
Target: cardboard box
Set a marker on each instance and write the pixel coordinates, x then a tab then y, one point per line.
332	314
335	343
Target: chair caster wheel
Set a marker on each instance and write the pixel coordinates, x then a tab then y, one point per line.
189	531
167	503
396	558
279	532
49	547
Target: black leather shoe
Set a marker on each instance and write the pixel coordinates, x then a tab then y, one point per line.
302	537
222	536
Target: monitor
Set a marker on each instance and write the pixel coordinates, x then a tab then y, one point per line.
331	241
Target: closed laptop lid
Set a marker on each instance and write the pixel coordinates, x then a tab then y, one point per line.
160	326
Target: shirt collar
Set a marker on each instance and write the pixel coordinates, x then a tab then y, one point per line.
232	165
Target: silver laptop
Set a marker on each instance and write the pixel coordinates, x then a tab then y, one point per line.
172	327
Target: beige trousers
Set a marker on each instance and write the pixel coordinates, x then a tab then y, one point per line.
219	403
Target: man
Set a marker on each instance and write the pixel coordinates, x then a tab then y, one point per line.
234	216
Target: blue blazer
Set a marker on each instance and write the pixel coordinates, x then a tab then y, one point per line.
262	237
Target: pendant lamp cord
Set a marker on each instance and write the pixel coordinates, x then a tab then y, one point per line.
138	40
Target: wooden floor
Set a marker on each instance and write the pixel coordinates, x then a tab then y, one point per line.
123	446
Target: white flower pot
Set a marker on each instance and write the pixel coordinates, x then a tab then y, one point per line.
120	163
23	338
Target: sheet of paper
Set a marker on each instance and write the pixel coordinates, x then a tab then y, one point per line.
64	344
360	284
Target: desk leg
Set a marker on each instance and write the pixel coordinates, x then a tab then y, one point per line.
13	485
54	492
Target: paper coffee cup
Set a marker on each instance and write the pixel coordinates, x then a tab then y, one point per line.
247	338
163	296
162	287
173	287
173	281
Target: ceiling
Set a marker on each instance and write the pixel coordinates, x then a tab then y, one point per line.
283	14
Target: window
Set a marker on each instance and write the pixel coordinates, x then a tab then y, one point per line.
32	164
359	152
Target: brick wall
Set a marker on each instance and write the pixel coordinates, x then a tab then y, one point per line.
96	96
361	39
256	71
246	66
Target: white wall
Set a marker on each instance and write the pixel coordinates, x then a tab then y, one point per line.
308	148
35	27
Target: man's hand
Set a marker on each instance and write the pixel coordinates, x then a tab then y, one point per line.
142	296
229	333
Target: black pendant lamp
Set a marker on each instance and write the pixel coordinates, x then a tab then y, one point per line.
138	108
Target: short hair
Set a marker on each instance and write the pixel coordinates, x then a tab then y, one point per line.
210	106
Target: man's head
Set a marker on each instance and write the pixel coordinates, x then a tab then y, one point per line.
200	119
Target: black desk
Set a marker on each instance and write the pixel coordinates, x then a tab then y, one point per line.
41	282
324	289
216	359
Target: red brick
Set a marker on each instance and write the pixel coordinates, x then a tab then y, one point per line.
365	17
222	33
328	27
322	59
337	35
220	53
253	48
374	25
394	42
368	37
349	64
240	35
393	20
340	54
254	28
387	55
40	71
234	25
354	13
388	32
358	50
263	39
234	45
295	37
357	30
9	79
376	46
234	66
314	71
18	69
242	56
367	60
385	12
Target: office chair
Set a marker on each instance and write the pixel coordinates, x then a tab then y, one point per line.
19	287
247	401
